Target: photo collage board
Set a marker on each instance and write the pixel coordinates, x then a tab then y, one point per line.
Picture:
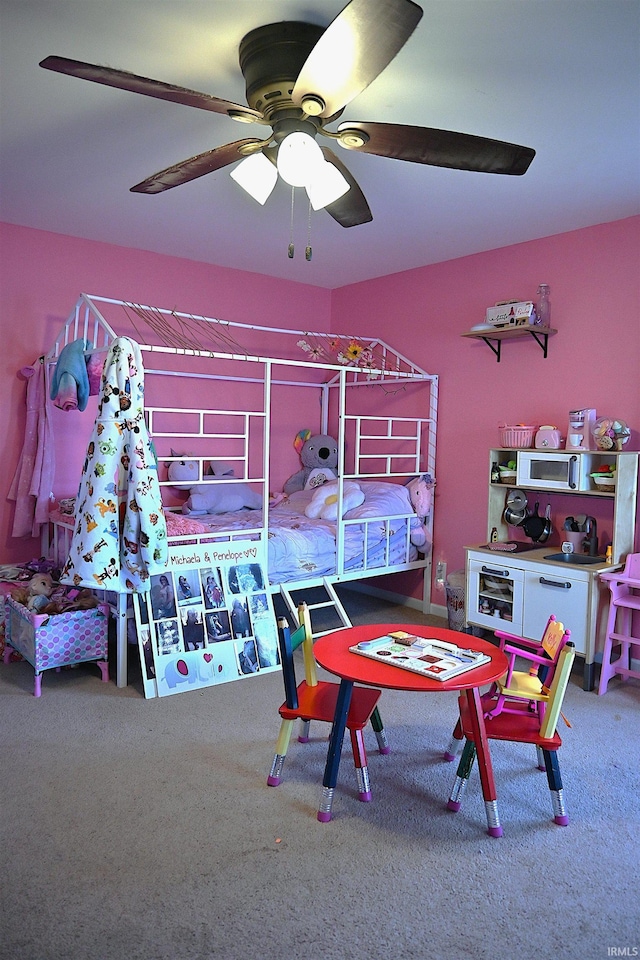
207	619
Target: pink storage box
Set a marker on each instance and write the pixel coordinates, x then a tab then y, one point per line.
51	641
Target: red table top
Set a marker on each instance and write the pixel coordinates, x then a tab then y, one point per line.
332	652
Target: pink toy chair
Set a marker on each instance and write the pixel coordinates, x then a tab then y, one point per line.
314	699
521	725
625	598
517	686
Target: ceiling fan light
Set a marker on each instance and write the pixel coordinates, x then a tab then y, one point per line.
327	186
298	157
257	176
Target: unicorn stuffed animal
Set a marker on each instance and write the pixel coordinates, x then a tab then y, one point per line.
213	496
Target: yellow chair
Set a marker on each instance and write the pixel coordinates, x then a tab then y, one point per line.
521	725
532	685
315	699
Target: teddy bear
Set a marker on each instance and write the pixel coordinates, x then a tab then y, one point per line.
324	502
319	456
421	496
210	497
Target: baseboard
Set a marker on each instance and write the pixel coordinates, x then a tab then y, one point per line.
435	609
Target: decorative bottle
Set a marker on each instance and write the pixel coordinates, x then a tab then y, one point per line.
543	305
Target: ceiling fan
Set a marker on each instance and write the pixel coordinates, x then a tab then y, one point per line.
299	78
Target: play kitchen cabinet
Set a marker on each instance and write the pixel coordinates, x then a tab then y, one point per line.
517	592
538	473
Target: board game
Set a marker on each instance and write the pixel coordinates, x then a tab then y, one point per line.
432	658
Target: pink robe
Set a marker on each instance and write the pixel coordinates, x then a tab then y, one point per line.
32	483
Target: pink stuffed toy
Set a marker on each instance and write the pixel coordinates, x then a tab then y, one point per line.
421	496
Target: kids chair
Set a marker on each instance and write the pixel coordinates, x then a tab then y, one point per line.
517	686
314	699
625	598
533	685
521	725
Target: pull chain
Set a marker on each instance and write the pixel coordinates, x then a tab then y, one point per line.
291	249
308	251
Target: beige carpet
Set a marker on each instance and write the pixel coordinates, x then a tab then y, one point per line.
144	829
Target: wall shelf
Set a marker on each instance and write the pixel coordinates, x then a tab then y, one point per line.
494	338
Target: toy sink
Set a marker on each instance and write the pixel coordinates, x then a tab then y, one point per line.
570	558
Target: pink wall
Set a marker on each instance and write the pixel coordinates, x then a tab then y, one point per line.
593	361
41	277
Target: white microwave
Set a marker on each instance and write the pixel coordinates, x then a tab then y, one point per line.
551	471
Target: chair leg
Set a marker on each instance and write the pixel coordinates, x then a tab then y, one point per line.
607	670
555	786
462	776
303	736
282	745
378	729
453	746
360	760
104	670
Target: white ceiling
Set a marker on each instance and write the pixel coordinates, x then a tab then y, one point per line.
562	76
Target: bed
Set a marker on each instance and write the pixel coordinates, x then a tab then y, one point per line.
238	392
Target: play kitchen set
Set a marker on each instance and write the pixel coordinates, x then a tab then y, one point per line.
562	509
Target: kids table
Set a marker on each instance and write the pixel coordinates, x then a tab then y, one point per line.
332	652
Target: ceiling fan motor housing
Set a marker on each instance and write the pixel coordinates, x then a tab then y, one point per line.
271	57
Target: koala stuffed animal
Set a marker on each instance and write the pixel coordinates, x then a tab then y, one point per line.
211	497
319	455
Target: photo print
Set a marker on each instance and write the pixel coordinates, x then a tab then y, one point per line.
218	627
212	589
192	620
163	600
240	621
188	588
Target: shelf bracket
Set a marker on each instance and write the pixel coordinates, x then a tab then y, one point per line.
542	343
493	345
540	336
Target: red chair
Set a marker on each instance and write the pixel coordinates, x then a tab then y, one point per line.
314	699
521	725
518	686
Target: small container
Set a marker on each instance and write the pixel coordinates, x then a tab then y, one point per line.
517	437
543	305
507	476
604	482
575	538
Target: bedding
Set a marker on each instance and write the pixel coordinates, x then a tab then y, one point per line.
301	548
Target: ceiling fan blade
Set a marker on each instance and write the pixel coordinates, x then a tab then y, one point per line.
439	148
150	88
351	209
195	167
354	49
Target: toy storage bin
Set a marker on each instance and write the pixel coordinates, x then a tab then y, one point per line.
49	641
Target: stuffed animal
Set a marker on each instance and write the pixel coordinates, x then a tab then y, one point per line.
210	497
39	589
421	496
319	455
324	503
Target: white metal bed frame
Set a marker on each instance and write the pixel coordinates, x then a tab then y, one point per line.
408	452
